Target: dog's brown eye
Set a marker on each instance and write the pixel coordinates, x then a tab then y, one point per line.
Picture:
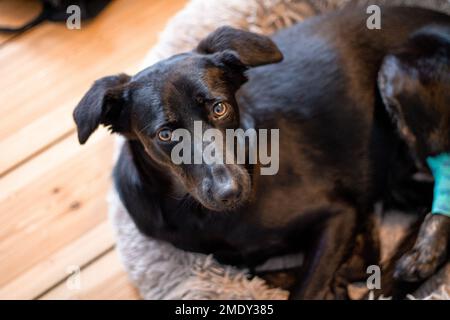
165	134
220	109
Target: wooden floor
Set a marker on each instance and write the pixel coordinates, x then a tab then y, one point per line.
53	214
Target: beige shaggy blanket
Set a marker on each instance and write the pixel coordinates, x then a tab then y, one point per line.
161	271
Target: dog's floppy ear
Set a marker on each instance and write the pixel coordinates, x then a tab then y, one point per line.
103	104
251	48
414	83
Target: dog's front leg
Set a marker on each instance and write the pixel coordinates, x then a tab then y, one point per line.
429	251
328	251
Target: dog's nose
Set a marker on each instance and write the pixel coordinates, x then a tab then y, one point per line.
229	193
227	188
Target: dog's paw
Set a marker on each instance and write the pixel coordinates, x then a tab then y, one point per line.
428	253
330	292
418	264
338	290
336	293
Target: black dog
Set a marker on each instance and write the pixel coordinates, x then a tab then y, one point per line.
337	143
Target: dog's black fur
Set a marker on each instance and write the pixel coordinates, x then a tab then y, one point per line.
338	145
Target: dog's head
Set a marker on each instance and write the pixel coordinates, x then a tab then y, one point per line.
414	82
195	86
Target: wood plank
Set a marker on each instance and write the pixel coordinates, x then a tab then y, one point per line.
105	280
51	201
31	139
56	267
64	64
53	191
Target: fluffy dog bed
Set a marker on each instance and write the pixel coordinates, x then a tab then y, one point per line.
161	271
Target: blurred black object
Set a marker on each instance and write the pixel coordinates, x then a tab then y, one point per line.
56	10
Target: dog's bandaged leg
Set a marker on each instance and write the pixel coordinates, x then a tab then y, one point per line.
440	167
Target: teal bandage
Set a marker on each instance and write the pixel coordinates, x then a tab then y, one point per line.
440	167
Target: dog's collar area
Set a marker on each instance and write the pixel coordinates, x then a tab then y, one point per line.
440	168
